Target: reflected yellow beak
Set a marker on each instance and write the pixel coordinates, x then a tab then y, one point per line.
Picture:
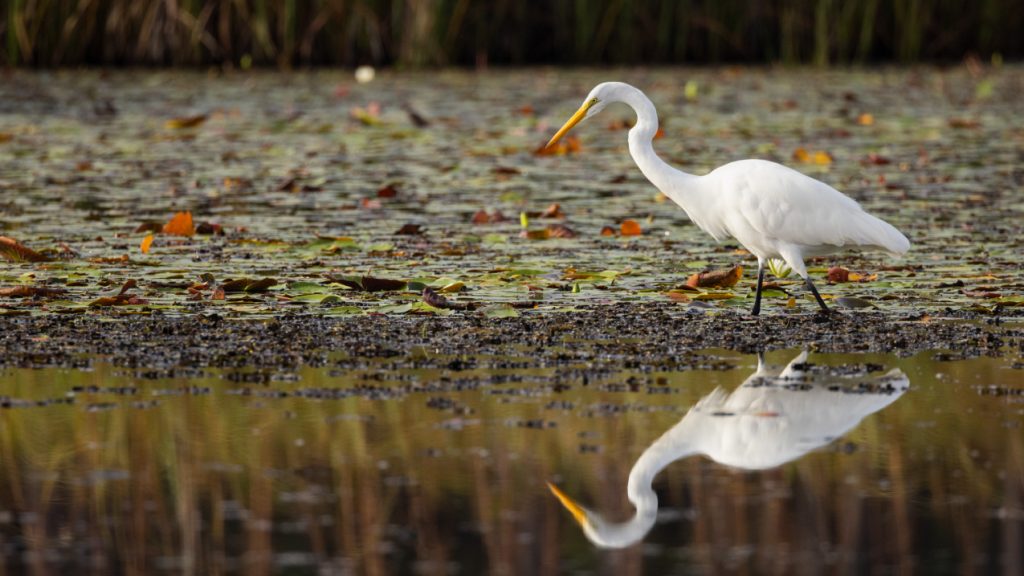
579	115
577	511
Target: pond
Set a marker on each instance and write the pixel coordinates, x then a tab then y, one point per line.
807	463
220	355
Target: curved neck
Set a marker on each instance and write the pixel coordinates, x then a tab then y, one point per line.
670	447
666	178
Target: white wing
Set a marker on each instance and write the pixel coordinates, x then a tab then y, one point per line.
778	203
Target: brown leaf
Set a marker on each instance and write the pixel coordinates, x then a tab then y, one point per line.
607	231
963	123
409	230
180	225
206	228
389	191
720	278
505	170
482	217
17	252
368	283
185	122
248	285
553	211
30	292
630	228
875	159
838	275
289	184
149	227
560	231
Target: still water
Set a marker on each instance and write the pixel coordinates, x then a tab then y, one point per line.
791	465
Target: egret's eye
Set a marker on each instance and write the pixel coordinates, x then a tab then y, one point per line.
592	101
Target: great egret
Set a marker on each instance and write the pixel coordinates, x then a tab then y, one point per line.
774	417
772	210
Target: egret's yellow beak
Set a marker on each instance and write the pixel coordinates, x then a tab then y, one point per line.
577	511
579	115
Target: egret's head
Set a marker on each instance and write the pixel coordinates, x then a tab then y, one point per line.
582	516
602	95
610	534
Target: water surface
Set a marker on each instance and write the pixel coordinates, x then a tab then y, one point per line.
399	470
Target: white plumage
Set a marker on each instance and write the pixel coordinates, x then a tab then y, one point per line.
774	417
772	210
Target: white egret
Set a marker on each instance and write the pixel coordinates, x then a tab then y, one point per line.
772	210
774	417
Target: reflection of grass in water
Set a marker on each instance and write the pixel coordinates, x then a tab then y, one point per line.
222	476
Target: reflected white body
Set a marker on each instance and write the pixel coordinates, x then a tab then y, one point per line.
772	210
766	422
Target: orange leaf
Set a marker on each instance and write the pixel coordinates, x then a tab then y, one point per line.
801	155
865	119
821	157
186	122
180	225
630	228
607	231
146	243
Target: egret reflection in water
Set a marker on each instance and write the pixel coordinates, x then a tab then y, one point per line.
774	417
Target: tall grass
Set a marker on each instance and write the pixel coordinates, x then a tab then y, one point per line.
467	32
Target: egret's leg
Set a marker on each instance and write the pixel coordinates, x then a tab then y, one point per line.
817	296
760	280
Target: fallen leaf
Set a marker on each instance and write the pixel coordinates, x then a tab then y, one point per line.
146	243
389	191
180	225
30	292
838	275
248	285
678	295
963	123
185	122
17	252
553	211
409	230
436	300
482	217
630	228
206	228
607	231
369	283
149	227
875	159
866	119
854	302
819	157
560	231
122	298
720	278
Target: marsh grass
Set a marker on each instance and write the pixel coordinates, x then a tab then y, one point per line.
466	32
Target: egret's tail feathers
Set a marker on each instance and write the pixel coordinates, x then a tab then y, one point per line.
872	231
716	399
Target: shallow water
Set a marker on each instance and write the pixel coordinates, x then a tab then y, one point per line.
399	470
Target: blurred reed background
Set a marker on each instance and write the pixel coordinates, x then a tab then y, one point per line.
413	33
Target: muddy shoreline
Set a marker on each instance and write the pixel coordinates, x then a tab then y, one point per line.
652	337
